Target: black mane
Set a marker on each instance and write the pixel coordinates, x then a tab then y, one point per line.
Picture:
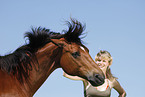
19	64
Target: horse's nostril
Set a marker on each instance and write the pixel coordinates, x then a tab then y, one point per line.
99	77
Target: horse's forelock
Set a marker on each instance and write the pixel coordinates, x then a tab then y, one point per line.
74	32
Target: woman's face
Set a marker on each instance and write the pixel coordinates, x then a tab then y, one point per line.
102	63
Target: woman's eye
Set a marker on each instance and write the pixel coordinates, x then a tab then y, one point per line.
99	60
104	60
75	54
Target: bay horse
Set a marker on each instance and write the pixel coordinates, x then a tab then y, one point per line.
23	71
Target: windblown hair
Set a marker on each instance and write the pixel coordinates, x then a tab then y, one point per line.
20	63
77	29
106	55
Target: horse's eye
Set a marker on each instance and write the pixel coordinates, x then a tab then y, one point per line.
75	54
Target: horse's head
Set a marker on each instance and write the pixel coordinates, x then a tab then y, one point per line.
75	59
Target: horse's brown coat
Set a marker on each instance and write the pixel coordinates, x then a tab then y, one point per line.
50	57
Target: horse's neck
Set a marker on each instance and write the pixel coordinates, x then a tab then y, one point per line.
46	63
39	77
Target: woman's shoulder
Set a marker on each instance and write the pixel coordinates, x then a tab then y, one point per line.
112	82
85	83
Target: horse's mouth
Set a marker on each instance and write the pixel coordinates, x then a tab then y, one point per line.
93	83
97	80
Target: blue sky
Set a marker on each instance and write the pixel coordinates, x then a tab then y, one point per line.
114	25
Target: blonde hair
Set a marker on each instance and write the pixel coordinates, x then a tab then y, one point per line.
106	55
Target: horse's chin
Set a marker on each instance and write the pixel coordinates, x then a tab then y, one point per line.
96	83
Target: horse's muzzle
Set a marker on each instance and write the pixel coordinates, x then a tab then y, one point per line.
96	80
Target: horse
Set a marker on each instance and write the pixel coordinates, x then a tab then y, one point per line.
23	71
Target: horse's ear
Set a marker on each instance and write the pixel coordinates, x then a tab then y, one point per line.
85	48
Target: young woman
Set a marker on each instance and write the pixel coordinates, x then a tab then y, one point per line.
104	61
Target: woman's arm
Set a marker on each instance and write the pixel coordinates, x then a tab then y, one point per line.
72	77
119	89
